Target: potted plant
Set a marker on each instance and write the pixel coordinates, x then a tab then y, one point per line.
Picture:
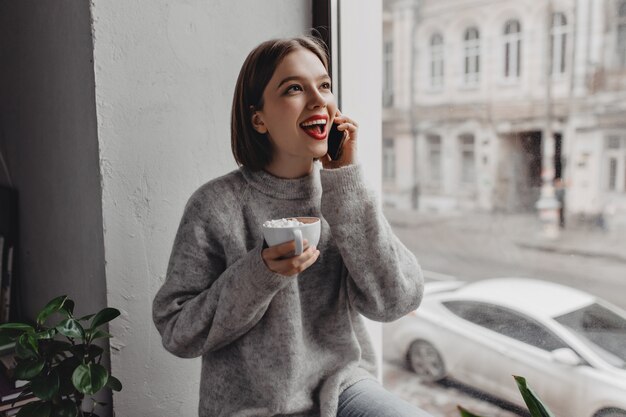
61	361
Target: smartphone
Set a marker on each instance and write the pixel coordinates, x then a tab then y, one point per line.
335	142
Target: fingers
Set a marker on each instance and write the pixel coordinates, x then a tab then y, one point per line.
290	266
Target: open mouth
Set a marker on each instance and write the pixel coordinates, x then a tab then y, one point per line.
315	128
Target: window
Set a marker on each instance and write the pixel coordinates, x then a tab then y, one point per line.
616	163
621	34
558	44
601	329
506	322
434	157
512	49
389	160
388	74
468	162
471	63
436	61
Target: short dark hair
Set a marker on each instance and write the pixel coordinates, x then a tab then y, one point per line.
251	148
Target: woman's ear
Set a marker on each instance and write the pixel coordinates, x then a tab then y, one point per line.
258	124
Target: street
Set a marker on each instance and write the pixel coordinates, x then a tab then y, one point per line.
480	246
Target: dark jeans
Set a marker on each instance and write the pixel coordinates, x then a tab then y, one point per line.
367	398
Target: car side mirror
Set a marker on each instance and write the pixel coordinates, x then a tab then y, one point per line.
566	356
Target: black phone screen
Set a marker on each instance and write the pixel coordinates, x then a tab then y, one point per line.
335	141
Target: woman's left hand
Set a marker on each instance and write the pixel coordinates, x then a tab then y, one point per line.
348	150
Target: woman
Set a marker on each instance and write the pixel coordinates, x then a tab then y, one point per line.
283	336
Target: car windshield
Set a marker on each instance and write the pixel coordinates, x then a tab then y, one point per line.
601	329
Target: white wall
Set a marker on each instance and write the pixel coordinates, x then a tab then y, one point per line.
165	74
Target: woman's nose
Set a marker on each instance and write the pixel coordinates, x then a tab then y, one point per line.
317	99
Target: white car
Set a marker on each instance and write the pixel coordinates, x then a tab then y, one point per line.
569	345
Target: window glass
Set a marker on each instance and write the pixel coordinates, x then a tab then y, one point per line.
468	164
602	329
389	163
621	34
434	152
388	74
509	164
507	323
512	49
436	61
558	43
471	68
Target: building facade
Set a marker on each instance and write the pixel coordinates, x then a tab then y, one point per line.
486	101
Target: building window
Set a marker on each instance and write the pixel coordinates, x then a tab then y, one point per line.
434	158
468	161
471	64
512	49
616	163
621	34
436	61
388	74
558	44
389	159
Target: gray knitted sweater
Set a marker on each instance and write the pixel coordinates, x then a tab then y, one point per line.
274	345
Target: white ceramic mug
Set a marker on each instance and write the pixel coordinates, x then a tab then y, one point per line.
310	231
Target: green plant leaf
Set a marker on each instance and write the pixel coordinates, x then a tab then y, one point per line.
103	316
28	369
17	326
90	378
53	306
92	334
35	409
67	408
465	413
46	334
536	407
114	383
71	328
46	386
26	346
67	307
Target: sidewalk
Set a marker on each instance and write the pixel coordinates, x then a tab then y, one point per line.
525	230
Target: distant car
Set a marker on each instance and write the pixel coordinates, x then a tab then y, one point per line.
569	345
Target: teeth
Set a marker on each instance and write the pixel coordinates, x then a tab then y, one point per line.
314	122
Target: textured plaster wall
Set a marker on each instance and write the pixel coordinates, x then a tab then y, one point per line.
165	73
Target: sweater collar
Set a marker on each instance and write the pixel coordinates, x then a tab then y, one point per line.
286	189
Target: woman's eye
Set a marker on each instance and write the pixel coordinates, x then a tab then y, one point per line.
293	88
326	86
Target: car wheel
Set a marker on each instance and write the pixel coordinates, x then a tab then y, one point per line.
424	359
611	412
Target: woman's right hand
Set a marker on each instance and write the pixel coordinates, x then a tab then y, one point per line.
289	266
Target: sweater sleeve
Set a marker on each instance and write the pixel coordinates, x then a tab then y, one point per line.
203	305
385	280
